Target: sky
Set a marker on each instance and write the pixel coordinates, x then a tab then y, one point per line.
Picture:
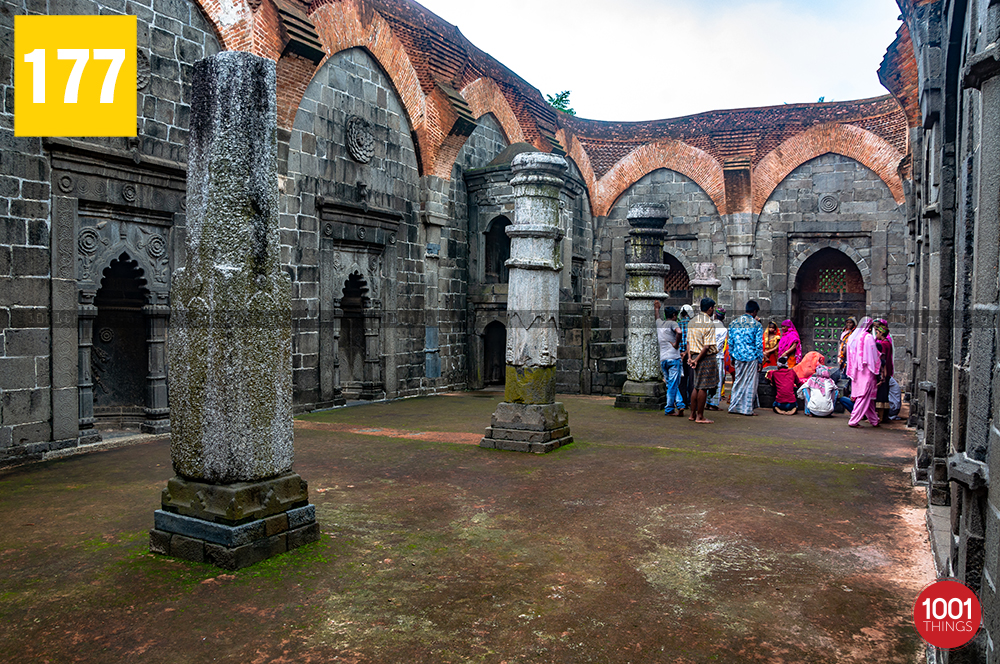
653	59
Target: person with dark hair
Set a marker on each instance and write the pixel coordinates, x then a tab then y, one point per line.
721	339
785	382
668	335
746	347
702	353
687	377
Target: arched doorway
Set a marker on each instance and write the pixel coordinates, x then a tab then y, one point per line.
494	354
119	358
497	251
352	336
360	361
677	283
828	289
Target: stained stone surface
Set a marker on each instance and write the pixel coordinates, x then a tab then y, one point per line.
645	270
230	337
529	420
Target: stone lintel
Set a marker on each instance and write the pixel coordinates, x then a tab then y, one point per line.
236	503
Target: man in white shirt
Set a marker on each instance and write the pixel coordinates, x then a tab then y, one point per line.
668	335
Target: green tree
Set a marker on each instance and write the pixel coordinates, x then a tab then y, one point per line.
561	102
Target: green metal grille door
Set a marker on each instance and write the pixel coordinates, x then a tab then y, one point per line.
826	334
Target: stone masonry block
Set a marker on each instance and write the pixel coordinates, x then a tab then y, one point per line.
159	542
187	548
216	533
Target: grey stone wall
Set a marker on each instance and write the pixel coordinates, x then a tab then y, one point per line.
485	143
695	226
867	225
172	35
317	164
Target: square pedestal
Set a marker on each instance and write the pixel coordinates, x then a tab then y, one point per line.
519	427
651	395
233	525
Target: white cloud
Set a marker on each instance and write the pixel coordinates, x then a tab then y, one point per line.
649	59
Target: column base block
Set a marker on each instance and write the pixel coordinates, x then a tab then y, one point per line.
155	426
647	395
536	428
89	437
232	547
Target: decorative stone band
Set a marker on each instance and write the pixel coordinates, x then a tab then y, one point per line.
535	231
647	269
533	177
646	296
526	264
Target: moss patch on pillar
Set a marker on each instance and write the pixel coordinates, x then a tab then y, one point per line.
533	385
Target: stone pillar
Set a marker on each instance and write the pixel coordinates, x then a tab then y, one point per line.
157	409
371	389
704	283
235	500
434	214
330	391
644	387
529	419
86	313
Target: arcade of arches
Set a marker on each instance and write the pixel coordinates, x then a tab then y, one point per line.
396	240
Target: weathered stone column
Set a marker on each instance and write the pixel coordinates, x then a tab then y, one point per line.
705	283
86	313
529	419
235	500
157	409
645	270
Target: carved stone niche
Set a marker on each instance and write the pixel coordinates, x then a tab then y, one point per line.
116	209
356	263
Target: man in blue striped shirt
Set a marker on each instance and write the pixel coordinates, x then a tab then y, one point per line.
746	348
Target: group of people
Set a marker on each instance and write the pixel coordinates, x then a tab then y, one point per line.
697	351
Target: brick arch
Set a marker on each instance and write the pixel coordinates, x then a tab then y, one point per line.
340	27
853	142
484	96
673	155
842	247
233	29
681	258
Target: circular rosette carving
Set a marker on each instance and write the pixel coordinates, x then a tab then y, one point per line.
156	247
128	192
829	203
360	139
106	335
89	241
65	184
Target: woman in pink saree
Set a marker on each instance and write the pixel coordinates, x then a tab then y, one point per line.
863	366
790	345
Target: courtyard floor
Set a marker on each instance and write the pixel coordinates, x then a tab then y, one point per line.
650	539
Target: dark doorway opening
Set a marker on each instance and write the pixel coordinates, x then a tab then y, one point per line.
352	336
497	251
495	354
120	358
